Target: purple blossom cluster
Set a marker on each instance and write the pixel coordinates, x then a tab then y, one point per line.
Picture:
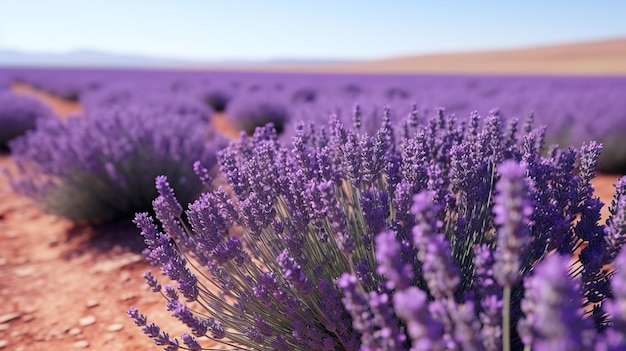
19	114
102	167
436	234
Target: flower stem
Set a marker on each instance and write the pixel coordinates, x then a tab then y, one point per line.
506	319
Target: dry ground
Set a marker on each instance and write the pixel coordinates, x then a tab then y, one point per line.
65	286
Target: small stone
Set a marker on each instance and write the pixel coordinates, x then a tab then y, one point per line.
24	271
81	344
9	317
27	318
21	260
74	331
4	327
85	321
115	327
11	233
3	261
117	263
127	296
92	303
28	308
125	276
3	343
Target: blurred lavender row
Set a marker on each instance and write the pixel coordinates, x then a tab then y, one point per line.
574	109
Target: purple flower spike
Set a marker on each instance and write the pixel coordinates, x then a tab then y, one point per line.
512	209
197	325
294	273
152	282
411	305
357	305
433	249
552	307
191	342
390	262
615	229
202	173
616	308
152	330
164	189
140	319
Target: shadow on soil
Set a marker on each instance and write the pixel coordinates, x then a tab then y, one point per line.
104	239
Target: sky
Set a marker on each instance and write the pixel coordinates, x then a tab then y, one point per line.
298	29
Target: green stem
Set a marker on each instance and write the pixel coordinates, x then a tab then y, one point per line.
506	319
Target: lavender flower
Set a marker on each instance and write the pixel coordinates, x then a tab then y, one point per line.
615	229
152	330
616	308
553	318
440	273
425	332
512	208
248	111
390	263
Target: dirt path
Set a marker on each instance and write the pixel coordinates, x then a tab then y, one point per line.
62	108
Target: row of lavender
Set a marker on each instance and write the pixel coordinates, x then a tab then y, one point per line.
101	166
574	109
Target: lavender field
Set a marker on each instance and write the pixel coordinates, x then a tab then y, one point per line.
354	212
574	109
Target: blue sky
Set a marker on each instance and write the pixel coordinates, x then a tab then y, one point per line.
316	29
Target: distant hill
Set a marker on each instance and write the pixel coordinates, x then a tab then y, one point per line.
607	57
81	58
93	58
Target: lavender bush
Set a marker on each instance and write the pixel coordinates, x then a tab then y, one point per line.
216	98
445	235
18	114
247	111
102	167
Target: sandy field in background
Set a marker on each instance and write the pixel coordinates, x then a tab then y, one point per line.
606	57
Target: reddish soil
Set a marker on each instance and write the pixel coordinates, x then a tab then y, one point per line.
66	286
